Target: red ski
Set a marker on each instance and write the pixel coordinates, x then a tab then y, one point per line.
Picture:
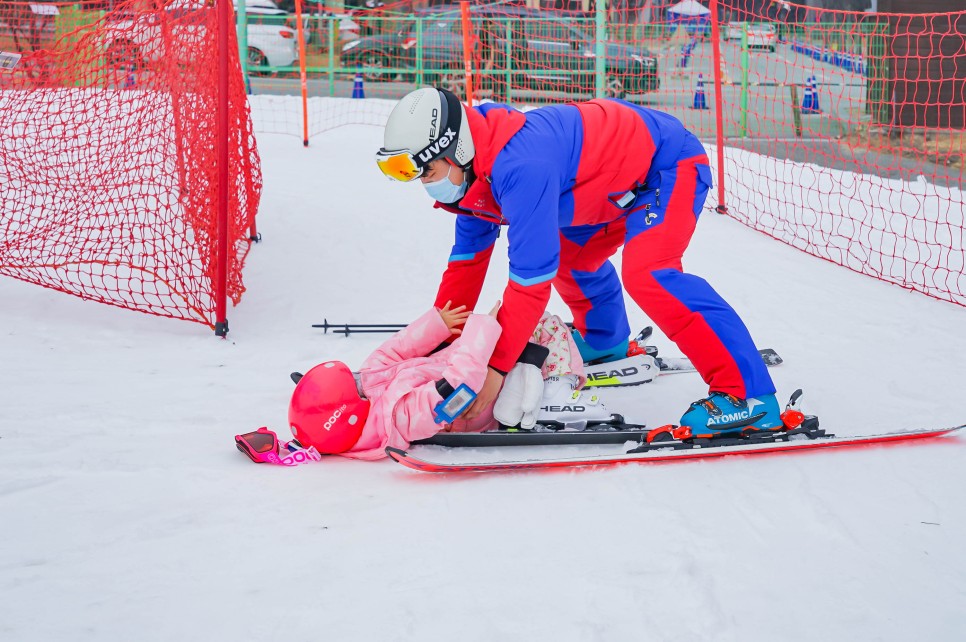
665	453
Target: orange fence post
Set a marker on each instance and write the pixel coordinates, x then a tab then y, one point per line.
300	30
718	113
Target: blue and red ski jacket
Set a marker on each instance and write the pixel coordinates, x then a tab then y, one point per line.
538	172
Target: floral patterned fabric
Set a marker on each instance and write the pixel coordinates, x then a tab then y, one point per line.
564	356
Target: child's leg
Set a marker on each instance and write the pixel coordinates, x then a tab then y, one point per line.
564	356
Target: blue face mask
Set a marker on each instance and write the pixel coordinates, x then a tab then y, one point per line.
445	191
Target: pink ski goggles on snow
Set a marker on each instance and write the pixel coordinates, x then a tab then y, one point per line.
263	447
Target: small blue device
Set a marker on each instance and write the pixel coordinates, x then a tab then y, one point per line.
454	404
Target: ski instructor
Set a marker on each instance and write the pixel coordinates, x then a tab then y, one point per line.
573	183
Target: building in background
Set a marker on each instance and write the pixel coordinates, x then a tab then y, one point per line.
927	55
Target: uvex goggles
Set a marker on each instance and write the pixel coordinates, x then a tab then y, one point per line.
263	447
403	165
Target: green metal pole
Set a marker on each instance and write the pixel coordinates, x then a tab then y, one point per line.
877	75
333	40
600	49
242	29
509	63
336	8
420	76
745	64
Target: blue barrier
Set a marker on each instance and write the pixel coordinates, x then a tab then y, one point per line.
848	62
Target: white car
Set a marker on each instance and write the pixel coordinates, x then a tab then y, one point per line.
135	40
761	35
271	34
268	13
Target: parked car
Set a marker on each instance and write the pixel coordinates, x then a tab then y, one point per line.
268	12
268	27
134	40
546	52
761	35
28	27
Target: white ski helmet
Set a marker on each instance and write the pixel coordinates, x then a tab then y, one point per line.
429	124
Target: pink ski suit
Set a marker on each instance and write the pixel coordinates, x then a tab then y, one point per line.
400	380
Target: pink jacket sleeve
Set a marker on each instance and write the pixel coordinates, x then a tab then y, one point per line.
466	362
403	392
467	357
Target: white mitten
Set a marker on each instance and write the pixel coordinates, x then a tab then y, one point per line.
520	397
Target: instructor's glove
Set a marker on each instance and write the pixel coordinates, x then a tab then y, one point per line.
519	400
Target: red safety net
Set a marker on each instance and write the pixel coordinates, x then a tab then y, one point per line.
847	140
108	141
841	133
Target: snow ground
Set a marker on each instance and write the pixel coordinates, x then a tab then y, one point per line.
127	513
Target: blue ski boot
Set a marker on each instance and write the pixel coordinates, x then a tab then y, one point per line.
594	356
723	414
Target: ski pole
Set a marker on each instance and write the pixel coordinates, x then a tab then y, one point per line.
346	328
348	331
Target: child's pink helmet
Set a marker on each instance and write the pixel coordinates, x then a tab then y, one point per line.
326	409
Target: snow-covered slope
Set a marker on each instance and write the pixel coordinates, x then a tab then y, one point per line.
127	514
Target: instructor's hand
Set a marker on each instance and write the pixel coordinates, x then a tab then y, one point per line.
486	396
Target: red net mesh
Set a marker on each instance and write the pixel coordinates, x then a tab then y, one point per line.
847	142
842	131
108	154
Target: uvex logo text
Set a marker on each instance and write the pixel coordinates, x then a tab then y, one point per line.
444	141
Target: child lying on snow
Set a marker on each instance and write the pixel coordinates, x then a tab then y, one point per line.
396	396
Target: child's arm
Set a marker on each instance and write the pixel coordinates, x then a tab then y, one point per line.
466	362
418	338
467	359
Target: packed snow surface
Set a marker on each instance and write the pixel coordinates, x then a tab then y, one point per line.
127	514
